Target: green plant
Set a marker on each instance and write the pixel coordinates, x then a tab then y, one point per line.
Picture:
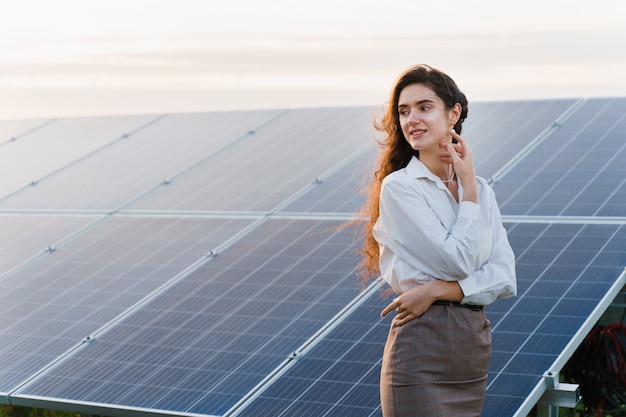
12	411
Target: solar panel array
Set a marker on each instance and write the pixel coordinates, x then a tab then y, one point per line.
195	264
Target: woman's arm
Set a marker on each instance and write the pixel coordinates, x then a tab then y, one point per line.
414	302
496	278
409	228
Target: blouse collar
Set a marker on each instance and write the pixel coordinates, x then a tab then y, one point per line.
417	169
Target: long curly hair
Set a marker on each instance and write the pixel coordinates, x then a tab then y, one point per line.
396	153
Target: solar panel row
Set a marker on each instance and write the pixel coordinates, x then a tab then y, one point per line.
192	264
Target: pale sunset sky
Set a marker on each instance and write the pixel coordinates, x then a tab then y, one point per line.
76	58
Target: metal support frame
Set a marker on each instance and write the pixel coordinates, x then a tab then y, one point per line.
557	394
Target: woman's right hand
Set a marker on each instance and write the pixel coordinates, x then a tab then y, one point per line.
462	159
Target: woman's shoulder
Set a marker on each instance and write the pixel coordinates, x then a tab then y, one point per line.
396	177
482	181
484	189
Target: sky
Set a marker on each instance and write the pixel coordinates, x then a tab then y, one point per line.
78	58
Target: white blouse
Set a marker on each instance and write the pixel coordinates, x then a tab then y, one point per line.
424	234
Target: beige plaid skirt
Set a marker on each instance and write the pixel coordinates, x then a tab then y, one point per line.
436	365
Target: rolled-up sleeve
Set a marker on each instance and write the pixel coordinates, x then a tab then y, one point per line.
496	278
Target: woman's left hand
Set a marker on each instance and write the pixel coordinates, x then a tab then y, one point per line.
410	304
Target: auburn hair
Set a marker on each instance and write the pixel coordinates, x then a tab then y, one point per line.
396	154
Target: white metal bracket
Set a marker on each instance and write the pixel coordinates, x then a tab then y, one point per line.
557	394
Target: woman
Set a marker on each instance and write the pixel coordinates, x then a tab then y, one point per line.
435	235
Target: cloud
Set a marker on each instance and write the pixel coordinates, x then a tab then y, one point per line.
204	71
146	60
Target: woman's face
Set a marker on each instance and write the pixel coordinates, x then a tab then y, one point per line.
424	119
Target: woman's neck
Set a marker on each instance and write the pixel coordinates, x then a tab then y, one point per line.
441	169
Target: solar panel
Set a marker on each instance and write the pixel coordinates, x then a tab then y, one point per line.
11	130
339	192
196	268
339	375
51	146
577	170
51	305
28	237
498	131
560	287
200	346
131	167
270	166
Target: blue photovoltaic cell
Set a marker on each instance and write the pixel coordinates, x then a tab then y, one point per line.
578	170
202	344
49	306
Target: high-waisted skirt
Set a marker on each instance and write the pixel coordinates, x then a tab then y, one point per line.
436	365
